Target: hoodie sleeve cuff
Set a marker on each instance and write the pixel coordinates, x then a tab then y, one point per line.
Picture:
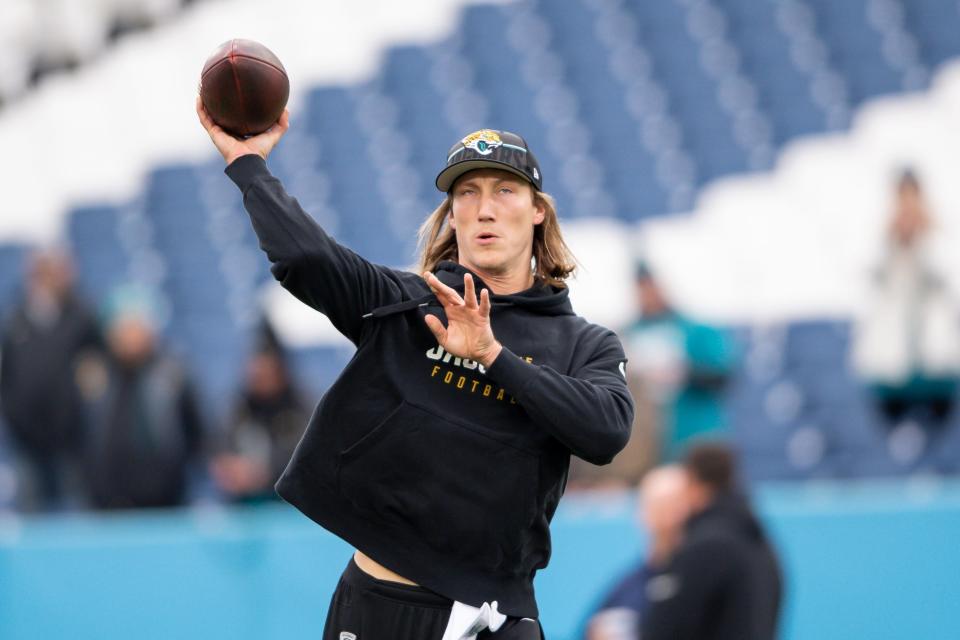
246	169
511	371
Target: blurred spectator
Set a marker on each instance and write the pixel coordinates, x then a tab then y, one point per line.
264	427
723	582
663	512
681	367
44	343
907	344
146	426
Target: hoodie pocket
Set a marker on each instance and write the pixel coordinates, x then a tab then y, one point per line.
462	492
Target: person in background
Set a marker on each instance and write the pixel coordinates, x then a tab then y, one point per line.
681	367
907	343
264	427
663	512
48	336
724	581
146	427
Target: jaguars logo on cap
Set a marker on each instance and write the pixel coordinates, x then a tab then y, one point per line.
483	141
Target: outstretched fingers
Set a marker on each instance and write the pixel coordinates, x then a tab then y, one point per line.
469	291
485	303
446	295
436	328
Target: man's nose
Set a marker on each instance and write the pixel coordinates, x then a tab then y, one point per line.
487	209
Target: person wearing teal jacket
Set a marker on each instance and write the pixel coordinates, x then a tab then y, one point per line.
684	365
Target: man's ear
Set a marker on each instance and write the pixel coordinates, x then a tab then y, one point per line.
450	219
541	211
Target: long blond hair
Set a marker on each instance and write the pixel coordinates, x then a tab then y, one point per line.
553	262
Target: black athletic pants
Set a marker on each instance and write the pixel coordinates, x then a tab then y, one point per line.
365	608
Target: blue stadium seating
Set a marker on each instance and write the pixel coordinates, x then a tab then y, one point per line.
856	48
318	367
816	419
406	79
12	267
934	24
616	134
102	262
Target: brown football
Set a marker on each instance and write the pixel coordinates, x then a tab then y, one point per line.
244	87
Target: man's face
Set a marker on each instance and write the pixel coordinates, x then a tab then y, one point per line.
651	299
52	273
131	339
664	501
265	376
494	215
910	217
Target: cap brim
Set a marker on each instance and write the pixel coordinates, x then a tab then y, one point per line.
449	175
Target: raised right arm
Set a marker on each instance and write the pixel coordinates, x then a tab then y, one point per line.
307	262
305	259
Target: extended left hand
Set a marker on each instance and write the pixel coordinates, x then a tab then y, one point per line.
468	333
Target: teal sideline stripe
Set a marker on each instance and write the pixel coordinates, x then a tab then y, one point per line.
873	560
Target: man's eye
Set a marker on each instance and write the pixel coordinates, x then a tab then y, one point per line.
506	190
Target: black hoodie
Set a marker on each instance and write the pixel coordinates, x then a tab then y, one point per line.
723	583
445	472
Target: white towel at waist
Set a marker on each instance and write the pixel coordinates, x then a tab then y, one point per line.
466	621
